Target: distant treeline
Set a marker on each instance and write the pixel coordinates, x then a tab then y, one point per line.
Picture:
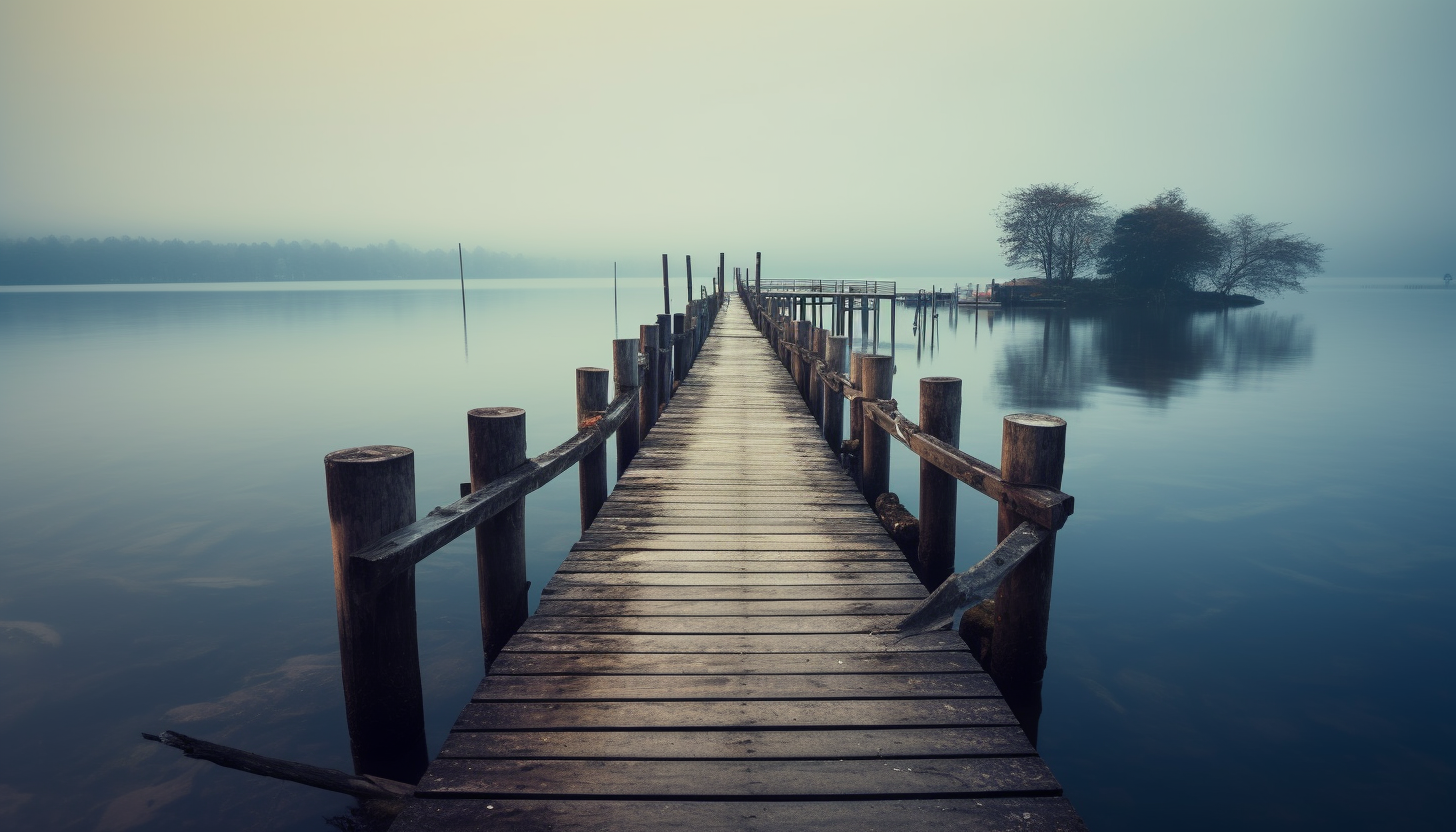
52	260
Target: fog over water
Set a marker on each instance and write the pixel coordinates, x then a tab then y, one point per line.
838	138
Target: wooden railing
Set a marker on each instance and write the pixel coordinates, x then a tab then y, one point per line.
1026	486
377	539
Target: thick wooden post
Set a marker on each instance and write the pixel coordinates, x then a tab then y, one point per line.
591	403
627	376
856	409
940	416
679	347
664	360
832	400
371	492
877	373
498	446
651	377
1033	448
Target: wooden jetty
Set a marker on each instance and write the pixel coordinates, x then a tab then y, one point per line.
735	642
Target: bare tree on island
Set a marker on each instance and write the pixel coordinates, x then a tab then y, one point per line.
1053	228
1257	259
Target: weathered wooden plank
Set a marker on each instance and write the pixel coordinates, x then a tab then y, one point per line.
764	714
783	779
722	525
639	608
744	579
606	561
736	543
935	642
1019	814
733	687
739	745
694	595
709	624
529	664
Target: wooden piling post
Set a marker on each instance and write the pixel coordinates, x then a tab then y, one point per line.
666	297
831	400
1033	449
877	375
679	347
664	361
591	403
651	377
371	492
498	446
856	409
626	377
940	416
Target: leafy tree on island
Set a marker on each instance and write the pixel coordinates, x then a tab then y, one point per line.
1258	259
1160	247
1053	228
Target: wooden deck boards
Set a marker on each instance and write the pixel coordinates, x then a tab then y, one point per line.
711	655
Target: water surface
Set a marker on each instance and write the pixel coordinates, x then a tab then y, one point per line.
1252	619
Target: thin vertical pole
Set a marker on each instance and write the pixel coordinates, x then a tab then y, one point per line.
690	278
666	300
464	324
614	299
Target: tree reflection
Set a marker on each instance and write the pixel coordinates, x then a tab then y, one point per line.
1156	353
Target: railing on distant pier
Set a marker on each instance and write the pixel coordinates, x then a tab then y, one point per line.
1026	485
798	288
377	540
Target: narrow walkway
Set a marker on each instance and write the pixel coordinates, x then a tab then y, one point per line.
705	659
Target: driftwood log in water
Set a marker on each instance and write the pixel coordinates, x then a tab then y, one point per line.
362	786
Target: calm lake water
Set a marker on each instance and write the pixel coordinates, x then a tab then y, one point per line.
1254	612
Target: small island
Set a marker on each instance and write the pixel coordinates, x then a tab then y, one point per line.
1161	253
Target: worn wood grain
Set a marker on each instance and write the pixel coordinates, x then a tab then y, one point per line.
935	814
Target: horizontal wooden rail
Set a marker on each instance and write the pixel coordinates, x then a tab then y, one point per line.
1048	507
393	554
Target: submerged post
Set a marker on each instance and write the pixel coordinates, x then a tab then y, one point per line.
877	375
498	446
371	492
1033	449
627	376
591	403
940	416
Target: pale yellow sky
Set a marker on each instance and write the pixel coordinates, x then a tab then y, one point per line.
849	137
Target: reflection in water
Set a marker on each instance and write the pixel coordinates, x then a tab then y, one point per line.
1155	353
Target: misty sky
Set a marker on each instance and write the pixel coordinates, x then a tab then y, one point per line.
836	137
